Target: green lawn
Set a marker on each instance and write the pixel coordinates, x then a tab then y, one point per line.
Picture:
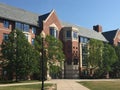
102	85
10	82
24	87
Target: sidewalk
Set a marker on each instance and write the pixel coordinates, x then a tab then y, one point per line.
66	84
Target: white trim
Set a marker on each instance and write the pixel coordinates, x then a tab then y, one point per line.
53	25
116	34
74	29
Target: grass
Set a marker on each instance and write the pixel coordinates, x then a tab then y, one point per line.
101	85
10	82
24	87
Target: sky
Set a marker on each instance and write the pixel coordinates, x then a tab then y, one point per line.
85	13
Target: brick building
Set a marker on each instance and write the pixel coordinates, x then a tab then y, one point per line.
73	37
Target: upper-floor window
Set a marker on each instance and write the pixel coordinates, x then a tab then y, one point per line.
83	40
22	27
34	30
6	24
53	32
5	36
68	34
25	27
75	35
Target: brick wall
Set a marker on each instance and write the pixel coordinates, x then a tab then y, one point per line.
52	19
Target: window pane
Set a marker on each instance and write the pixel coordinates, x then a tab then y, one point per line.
68	34
53	32
6	24
33	30
75	35
18	26
26	28
5	36
22	27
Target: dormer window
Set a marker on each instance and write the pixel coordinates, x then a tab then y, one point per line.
54	32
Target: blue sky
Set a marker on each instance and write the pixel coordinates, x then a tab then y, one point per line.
85	13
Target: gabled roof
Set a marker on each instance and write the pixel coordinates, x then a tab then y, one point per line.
110	35
44	16
16	14
86	32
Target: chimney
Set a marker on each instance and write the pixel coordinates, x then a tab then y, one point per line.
97	28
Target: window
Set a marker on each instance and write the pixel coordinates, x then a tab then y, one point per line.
33	30
6	24
25	27
5	36
53	32
75	35
84	54
83	40
33	41
75	61
19	26
68	34
22	27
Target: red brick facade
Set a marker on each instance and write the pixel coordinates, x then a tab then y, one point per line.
71	46
51	19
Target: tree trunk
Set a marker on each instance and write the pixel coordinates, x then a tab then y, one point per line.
28	77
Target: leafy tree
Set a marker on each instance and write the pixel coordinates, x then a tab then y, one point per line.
116	65
20	55
55	54
53	50
109	58
94	55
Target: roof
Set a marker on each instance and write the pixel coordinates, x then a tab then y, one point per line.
16	14
89	33
110	35
43	17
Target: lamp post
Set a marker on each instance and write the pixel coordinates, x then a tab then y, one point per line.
42	66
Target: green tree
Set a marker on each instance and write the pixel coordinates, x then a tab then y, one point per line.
109	58
94	55
20	54
53	50
116	65
55	54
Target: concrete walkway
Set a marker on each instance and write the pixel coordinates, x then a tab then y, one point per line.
67	84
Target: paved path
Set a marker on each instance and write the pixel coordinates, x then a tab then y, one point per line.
66	84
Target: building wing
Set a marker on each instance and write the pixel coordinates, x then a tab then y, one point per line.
86	32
